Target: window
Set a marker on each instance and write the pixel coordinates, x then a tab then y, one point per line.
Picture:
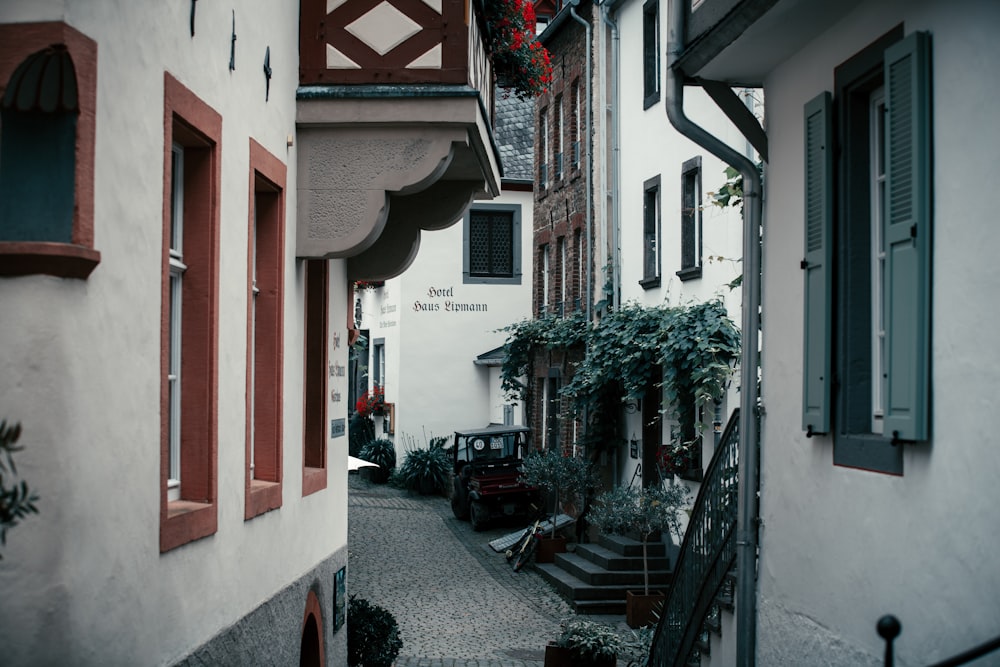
317	282
558	144
561	275
651	234
543	307
378	362
265	299
650	53
551	407
580	274
690	220
543	149
574	126
492	248
867	263
47	150
189	310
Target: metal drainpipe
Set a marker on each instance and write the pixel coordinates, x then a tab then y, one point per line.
590	166
747	517
616	276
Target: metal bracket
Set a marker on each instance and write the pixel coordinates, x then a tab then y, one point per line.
232	45
267	74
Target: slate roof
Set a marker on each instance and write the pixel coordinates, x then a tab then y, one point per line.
514	132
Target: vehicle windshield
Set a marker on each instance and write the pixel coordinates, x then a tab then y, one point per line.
484	448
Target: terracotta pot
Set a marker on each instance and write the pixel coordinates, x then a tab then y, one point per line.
560	656
639	608
548	547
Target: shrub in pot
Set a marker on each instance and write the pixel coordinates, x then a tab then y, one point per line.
583	643
372	635
381	452
563	478
643	513
360	431
426	470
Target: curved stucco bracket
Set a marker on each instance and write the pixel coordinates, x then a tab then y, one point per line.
348	176
437	207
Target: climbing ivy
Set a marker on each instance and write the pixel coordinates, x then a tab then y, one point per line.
687	350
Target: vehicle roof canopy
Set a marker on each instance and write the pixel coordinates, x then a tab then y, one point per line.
494	429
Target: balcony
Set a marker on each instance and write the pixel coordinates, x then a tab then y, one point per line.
395	127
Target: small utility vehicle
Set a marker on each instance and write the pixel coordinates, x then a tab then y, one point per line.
487	466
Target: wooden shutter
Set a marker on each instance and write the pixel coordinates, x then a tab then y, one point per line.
907	237
817	265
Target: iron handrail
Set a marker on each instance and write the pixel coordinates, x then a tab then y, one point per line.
889	627
707	554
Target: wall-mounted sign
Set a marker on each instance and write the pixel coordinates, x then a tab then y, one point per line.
441	299
338	427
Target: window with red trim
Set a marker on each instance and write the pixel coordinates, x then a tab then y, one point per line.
190	318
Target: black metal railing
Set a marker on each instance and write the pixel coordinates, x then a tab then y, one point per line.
889	627
707	554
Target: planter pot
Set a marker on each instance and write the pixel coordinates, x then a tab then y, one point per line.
548	547
560	656
639	608
427	486
376	475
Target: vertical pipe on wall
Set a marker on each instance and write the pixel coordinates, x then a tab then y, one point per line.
590	164
746	522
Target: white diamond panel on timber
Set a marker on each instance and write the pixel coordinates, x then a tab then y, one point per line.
430	60
383	28
337	60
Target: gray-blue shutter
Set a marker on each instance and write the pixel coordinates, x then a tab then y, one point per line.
817	265
907	237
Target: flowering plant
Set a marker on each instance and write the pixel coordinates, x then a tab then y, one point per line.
675	459
519	60
371	402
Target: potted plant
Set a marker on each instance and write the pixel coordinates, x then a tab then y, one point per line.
583	643
563	478
381	452
520	61
642	513
426	470
372	402
372	635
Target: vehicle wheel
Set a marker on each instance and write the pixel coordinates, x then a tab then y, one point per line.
460	501
525	556
479	515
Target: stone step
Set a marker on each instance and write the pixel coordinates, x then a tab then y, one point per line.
593	574
603	607
626	546
574	590
612	560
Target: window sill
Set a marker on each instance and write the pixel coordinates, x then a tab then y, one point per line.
690	273
186	521
313	480
262	496
63	260
873	453
650	100
650	283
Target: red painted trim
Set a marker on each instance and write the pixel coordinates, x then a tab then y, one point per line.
78	259
317	29
314	610
63	260
315	376
190	121
265	347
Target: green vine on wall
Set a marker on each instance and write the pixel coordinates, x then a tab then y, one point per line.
688	350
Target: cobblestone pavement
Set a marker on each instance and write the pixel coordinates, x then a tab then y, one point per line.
457	602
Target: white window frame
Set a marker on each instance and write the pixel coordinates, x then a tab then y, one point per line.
177	269
877	189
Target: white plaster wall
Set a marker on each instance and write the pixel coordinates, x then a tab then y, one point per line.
440	389
80	362
841	547
649	147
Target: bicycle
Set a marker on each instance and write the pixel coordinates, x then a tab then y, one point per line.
524	548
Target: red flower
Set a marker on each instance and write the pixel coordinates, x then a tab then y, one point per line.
519	60
370	401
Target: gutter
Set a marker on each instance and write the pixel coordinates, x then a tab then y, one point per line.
607	10
590	160
747	517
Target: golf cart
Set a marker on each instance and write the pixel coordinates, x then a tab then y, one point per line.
487	466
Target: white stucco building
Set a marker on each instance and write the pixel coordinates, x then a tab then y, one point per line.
187	191
672	244
431	329
877	475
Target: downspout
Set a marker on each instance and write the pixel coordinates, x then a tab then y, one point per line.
590	165
747	517
615	187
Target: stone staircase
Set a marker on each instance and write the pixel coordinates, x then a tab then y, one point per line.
595	576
